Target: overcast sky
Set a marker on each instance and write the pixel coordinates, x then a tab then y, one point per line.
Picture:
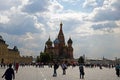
93	25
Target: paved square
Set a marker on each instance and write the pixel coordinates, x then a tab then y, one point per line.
33	73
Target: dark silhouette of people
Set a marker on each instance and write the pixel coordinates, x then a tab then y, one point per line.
64	67
81	68
117	68
100	66
56	65
9	73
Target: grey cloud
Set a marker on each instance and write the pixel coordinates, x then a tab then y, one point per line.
104	15
19	25
92	3
89	3
116	4
70	25
110	13
106	26
98	45
7	4
70	1
36	6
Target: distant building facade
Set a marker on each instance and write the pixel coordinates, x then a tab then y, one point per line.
58	49
11	55
103	61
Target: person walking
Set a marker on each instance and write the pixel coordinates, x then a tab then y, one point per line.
117	68
64	67
16	67
82	73
55	69
9	73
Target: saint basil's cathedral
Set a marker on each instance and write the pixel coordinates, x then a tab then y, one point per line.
58	49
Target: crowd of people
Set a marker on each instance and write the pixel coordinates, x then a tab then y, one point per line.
9	73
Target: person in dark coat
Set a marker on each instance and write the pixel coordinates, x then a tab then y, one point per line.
117	68
81	68
9	73
56	65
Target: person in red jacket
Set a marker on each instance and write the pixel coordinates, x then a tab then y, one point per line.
16	67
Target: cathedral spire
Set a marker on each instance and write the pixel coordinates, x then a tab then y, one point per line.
61	26
61	31
61	36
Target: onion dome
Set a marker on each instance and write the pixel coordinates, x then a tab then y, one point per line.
69	41
56	41
49	42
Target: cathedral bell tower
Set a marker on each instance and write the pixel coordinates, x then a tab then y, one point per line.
61	42
61	36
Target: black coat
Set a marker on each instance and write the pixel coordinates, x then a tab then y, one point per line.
9	73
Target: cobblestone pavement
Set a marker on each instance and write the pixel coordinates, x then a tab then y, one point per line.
33	73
